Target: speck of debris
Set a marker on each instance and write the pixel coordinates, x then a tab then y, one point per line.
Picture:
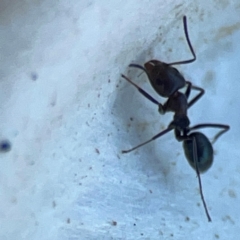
5	146
131	118
97	151
231	193
90	168
109	80
171	234
13	200
141	234
134	224
228	218
117	85
187	219
114	223
89	105
68	220
198	204
54	204
150	191
34	76
209	77
98	95
216	236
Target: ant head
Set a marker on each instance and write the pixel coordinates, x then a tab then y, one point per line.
164	78
180	122
155	70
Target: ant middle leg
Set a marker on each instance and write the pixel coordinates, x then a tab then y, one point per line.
188	91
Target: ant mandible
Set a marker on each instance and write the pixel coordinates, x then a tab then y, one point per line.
166	80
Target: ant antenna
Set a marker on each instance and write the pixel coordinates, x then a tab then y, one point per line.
141	90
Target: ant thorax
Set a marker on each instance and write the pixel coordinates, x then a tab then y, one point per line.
177	103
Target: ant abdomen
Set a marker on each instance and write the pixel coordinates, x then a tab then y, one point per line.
204	151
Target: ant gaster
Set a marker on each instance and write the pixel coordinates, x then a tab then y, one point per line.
166	81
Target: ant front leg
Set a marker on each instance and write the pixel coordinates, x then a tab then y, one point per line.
189	45
188	91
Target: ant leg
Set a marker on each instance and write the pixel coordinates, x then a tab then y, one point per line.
199	178
196	98
188	90
144	93
152	139
184	137
212	125
189	44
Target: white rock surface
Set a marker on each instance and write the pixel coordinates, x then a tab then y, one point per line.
67	112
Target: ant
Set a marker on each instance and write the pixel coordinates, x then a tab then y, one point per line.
167	80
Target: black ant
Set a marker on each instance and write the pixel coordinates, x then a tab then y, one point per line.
166	80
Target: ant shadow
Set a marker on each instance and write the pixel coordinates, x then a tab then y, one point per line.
140	120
